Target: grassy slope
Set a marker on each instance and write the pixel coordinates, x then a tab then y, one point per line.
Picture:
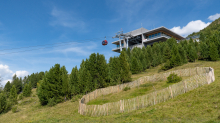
146	88
199	105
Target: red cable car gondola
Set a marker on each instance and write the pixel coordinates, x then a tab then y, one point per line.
105	42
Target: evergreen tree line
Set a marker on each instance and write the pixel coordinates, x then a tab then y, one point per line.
93	73
30	81
8	97
171	54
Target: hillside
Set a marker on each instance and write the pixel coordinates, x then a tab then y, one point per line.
199	105
215	25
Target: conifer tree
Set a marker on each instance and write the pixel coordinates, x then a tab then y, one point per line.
13	95
65	83
171	41
101	70
25	90
17	83
3	102
88	81
202	37
73	80
125	73
192	55
144	64
140	67
204	51
51	86
150	54
93	66
128	51
7	87
154	61
114	69
29	88
81	83
175	57
182	53
213	52
134	65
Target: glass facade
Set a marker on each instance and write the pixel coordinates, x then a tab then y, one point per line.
118	46
156	35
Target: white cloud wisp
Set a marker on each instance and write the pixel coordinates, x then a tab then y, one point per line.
66	19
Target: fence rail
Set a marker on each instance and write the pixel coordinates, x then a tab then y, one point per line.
200	77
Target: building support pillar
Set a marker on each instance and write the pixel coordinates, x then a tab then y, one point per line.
127	43
120	44
142	40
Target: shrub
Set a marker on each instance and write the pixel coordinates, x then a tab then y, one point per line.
14	109
166	66
20	97
173	78
76	98
51	102
126	88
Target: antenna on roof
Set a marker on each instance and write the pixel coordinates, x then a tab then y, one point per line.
141	25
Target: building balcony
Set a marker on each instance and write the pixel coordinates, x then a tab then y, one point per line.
158	37
117	49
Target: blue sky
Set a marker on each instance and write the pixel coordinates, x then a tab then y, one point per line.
83	24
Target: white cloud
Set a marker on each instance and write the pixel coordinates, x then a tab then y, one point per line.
21	73
6	74
193	26
66	19
214	17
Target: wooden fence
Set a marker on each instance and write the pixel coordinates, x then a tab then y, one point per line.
200	77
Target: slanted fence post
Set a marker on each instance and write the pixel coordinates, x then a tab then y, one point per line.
171	92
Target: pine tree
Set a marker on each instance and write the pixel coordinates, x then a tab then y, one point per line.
7	88
150	54
92	66
114	69
134	65
3	102
155	60
202	37
88	81
175	57
13	95
182	53
51	86
17	83
29	89
65	83
192	55
101	70
166	54
144	64
204	51
125	73
25	90
171	41
213	52
73	80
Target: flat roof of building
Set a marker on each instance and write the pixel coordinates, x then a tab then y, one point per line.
148	32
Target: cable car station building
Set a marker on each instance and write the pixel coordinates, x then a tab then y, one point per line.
143	37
